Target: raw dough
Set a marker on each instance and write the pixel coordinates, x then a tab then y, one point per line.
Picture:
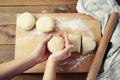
45	24
88	44
75	39
55	43
26	21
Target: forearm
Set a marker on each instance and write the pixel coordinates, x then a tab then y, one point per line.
50	70
15	67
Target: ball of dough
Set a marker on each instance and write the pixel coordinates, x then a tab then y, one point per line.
45	24
26	21
88	44
75	39
55	43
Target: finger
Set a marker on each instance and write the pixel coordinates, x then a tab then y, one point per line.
69	53
68	49
48	38
58	35
66	39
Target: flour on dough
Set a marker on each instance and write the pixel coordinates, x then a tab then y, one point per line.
88	44
45	24
26	21
75	39
56	43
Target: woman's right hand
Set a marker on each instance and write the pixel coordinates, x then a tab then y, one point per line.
62	54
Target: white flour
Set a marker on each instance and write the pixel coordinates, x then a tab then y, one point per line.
44	11
73	63
33	33
75	25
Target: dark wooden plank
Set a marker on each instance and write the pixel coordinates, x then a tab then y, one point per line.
38	9
8	14
37	2
68	76
7	34
6	53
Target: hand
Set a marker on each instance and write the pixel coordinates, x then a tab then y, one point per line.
63	54
40	53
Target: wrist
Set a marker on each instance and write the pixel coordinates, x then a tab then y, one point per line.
35	59
52	59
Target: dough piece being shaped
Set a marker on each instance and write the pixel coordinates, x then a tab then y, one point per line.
26	21
88	44
75	39
55	43
45	24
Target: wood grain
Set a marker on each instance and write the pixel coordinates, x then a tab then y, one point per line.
8	14
38	9
7	34
37	2
6	52
68	76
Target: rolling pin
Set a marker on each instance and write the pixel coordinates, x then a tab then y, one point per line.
102	46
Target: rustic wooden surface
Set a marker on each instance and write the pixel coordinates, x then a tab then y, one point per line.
8	10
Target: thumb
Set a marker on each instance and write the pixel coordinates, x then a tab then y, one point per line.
47	39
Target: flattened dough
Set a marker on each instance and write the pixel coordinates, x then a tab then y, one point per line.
26	21
88	44
55	43
75	39
45	24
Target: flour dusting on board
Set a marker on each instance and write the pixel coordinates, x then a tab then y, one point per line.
44	11
73	63
75	25
33	33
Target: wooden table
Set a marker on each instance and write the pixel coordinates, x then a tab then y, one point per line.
8	11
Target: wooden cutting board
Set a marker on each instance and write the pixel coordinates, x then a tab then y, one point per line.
26	41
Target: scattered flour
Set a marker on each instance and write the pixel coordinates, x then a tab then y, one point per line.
33	33
44	11
79	60
73	63
75	25
61	8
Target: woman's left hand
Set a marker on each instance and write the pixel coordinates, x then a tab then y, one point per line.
40	53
